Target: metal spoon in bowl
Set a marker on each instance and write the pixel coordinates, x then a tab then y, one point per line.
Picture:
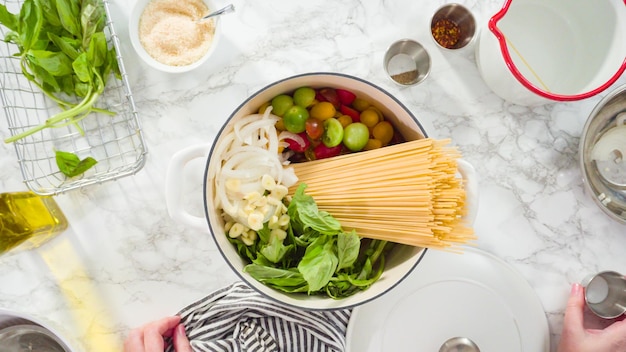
227	9
459	344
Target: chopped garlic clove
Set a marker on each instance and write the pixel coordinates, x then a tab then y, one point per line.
268	182
273	222
255	220
283	221
236	230
252	196
279	192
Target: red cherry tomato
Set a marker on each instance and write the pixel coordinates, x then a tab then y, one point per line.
345	97
322	151
330	95
355	115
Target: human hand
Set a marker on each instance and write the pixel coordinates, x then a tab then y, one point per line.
580	337
149	338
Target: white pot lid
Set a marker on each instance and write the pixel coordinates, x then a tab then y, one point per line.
474	295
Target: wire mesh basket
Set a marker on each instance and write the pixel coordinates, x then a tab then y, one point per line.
116	141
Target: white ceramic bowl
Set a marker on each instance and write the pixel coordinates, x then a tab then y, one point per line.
398	264
133	32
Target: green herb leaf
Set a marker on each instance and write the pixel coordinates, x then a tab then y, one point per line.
319	263
71	165
282	279
50	12
275	250
68	14
56	63
348	246
65	45
303	209
8	19
29	24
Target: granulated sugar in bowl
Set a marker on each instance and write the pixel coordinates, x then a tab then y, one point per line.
167	35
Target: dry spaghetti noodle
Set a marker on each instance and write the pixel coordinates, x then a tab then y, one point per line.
407	193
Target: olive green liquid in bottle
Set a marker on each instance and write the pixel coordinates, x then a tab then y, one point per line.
28	220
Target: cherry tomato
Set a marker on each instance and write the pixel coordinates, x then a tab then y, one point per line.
345	120
333	133
346	97
356	117
295	119
281	103
322	151
383	131
330	95
314	128
370	118
304	96
355	136
323	110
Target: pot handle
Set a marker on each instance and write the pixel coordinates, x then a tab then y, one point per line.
173	186
468	173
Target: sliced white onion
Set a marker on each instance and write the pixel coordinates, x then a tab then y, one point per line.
247	153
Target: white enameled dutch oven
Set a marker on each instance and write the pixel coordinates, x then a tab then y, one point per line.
399	263
535	52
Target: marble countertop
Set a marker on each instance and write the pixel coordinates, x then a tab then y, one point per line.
124	261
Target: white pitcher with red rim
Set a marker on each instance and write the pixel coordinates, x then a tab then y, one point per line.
535	52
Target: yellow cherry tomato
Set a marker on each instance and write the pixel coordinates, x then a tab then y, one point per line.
345	120
370	118
373	144
360	104
383	131
323	111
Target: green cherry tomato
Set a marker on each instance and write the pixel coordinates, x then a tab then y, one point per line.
333	133
355	136
295	119
281	103
304	96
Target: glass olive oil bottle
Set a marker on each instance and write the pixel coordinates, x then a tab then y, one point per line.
28	220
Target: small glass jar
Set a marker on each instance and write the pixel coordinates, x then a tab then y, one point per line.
28	220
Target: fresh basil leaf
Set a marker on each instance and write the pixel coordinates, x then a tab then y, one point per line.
29	24
275	250
275	276
65	45
8	19
45	78
71	165
92	17
68	11
319	263
97	52
303	208
50	13
56	63
81	68
348	246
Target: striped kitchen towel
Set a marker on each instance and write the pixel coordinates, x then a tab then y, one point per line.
237	318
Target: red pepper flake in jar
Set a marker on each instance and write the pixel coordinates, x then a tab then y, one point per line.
446	33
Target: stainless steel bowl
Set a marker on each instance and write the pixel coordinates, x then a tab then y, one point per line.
604	186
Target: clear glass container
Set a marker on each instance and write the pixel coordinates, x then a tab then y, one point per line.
28	220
